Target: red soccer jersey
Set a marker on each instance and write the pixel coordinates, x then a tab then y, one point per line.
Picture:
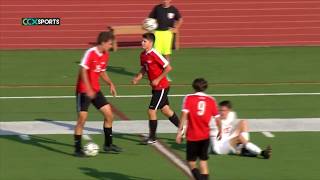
154	63
95	62
200	108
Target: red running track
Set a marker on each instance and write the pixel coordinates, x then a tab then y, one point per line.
207	23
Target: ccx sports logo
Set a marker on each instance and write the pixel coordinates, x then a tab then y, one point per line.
40	21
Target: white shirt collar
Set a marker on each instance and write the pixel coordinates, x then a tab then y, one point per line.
147	52
97	51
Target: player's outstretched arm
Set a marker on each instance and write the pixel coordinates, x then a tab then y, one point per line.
84	76
181	129
106	79
139	76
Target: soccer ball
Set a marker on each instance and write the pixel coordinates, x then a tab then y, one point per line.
91	149
150	24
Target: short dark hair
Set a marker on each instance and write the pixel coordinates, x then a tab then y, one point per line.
200	84
104	37
149	36
226	104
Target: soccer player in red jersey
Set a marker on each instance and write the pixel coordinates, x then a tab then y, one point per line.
92	67
198	110
157	67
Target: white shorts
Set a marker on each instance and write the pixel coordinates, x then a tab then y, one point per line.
222	146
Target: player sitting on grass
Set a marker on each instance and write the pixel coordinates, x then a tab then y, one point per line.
157	67
234	135
92	67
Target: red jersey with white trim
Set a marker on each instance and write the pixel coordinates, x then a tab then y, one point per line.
95	63
154	64
200	108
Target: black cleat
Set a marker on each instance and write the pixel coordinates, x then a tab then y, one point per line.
79	153
267	152
148	141
245	152
112	148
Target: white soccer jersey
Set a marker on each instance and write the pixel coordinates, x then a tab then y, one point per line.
228	125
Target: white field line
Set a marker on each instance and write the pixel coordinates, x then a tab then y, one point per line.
141	126
174	95
24	137
176	160
86	137
268	134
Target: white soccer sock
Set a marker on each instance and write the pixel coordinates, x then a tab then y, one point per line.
245	135
253	148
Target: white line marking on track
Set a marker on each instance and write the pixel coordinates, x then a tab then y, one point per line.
176	160
268	134
174	95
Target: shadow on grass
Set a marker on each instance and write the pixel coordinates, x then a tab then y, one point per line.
108	175
41	142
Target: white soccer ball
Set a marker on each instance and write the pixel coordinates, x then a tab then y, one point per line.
150	24
91	149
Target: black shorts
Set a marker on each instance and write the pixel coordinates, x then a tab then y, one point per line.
197	149
159	99
83	101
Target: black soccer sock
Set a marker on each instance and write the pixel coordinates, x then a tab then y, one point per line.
107	136
77	142
174	119
152	129
204	176
196	173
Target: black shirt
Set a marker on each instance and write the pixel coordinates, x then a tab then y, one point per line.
165	16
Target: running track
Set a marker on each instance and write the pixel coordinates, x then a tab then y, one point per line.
207	23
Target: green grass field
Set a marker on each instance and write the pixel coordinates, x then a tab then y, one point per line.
228	70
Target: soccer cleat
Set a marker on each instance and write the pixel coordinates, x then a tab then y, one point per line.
79	153
148	141
112	148
267	152
245	152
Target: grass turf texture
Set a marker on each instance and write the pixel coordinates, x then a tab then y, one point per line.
295	157
234	70
50	157
233	65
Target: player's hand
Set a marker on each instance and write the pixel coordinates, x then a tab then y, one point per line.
219	135
155	82
174	30
113	90
91	94
179	138
135	80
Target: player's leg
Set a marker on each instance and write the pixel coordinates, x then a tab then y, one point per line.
249	149
203	156
152	115
167	111
83	103
101	103
167	47
191	156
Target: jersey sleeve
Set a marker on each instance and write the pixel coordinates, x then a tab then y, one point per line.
177	14
86	60
185	105
160	59
215	111
153	13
